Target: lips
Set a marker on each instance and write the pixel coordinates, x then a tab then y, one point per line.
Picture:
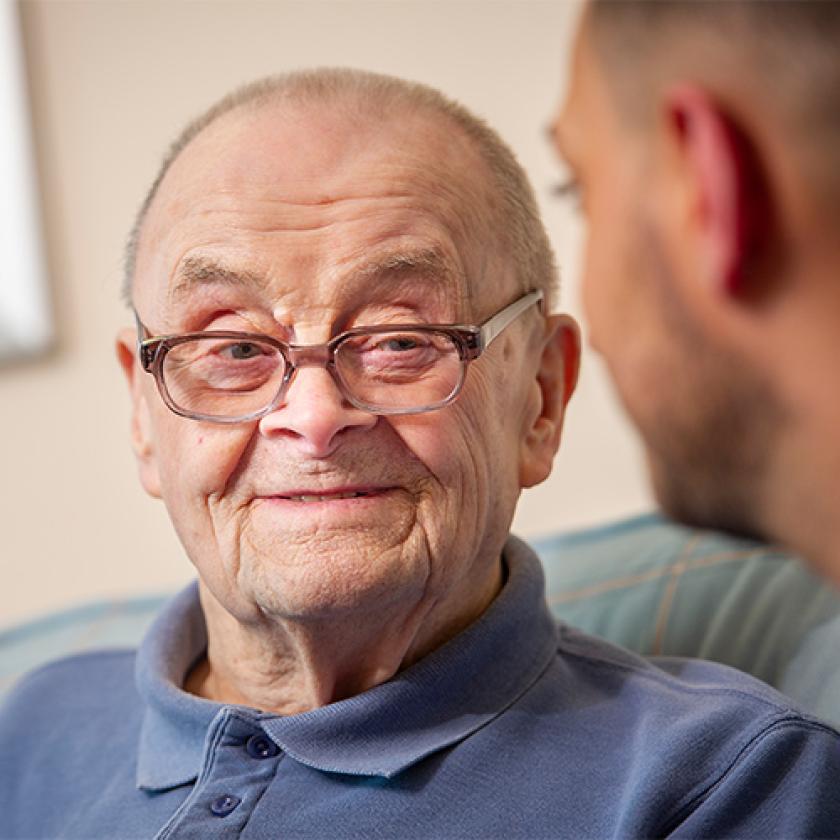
310	496
327	497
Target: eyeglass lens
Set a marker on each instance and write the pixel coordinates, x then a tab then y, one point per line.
398	371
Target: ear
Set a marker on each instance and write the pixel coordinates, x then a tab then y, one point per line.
720	203
141	438
555	383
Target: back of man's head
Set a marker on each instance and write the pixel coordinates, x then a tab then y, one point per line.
703	137
781	58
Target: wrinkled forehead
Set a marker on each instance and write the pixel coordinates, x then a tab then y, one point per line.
323	187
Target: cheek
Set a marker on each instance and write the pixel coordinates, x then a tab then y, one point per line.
441	446
453	445
642	334
482	435
197	461
605	278
615	204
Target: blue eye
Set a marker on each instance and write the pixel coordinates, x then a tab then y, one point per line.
243	350
398	343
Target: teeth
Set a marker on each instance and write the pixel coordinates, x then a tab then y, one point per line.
328	498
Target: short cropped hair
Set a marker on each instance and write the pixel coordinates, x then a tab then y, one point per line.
517	224
785	52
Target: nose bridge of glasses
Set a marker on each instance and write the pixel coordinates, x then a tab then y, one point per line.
312	355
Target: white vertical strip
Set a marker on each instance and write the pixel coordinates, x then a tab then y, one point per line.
25	324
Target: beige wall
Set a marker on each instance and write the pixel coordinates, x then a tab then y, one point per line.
111	82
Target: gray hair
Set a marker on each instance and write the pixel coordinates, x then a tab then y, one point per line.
517	221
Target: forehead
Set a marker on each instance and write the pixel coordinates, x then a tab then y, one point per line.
302	197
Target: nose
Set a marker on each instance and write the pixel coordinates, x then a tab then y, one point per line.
314	413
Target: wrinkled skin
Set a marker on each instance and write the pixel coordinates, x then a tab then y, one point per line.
308	601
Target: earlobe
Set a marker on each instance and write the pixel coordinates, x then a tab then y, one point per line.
141	437
722	210
555	382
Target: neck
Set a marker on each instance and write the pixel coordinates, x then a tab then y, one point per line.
800	345
803	488
804	508
290	666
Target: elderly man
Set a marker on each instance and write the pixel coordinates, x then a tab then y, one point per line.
342	376
704	141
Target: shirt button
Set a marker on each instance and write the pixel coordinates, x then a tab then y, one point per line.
223	805
258	746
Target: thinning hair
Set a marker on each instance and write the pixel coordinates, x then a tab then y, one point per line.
782	54
517	223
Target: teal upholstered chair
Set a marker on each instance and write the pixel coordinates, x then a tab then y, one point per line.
658	588
646	584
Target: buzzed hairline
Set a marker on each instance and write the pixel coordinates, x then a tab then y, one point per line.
516	221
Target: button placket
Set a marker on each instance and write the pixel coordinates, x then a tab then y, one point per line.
231	781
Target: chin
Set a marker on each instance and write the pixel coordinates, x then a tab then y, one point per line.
327	578
705	499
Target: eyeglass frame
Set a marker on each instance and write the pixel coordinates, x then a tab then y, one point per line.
471	341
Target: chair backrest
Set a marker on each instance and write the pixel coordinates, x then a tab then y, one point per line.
661	589
101	624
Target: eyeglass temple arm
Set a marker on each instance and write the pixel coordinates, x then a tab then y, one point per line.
491	329
143	353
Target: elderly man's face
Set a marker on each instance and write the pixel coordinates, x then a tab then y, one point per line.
300	224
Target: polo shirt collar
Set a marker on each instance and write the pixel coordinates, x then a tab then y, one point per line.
175	722
440	700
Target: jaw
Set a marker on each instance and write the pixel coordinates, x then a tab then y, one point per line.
345	618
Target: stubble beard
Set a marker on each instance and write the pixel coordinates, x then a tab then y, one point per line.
712	438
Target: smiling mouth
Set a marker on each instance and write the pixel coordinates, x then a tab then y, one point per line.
330	497
308	498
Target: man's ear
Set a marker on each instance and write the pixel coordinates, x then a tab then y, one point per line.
141	437
556	379
721	205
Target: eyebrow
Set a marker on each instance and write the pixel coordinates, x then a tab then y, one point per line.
431	263
197	272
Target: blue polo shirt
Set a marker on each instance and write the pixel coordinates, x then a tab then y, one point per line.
515	728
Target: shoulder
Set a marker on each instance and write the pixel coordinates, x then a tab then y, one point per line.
677	673
68	731
102	663
88	683
683	746
724	745
70	702
679	688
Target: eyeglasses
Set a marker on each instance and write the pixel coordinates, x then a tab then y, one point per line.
234	377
